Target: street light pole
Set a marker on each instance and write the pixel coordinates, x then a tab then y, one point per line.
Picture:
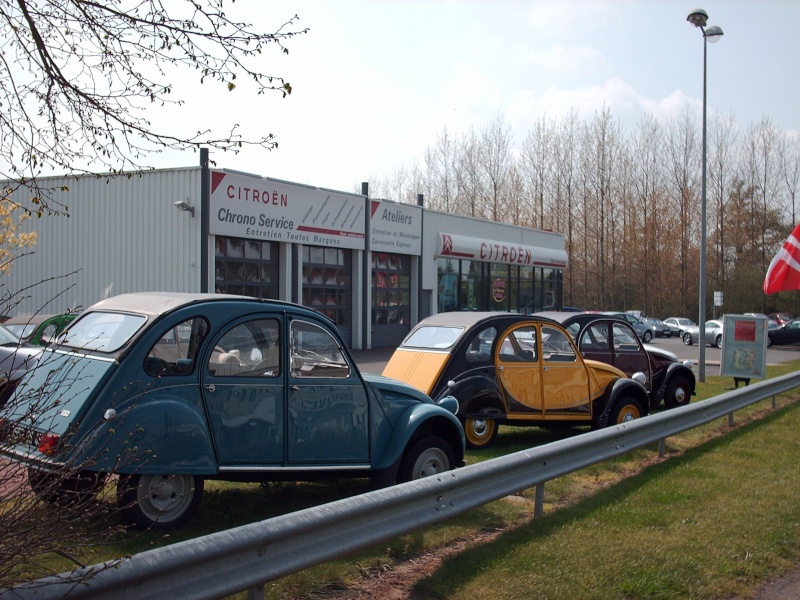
699	18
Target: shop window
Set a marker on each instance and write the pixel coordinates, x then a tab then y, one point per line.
391	288
448	270
327	285
245	267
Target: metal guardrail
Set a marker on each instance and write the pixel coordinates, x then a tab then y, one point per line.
246	557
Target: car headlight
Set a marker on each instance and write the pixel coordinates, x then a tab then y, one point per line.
449	403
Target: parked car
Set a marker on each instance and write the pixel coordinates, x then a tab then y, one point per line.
513	369
612	340
679	325
713	334
660	329
16	359
39	330
781	318
167	390
644	331
788	333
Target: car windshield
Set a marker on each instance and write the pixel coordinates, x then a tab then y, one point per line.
433	336
21	330
103	331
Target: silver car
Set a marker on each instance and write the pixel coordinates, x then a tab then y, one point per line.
679	325
713	334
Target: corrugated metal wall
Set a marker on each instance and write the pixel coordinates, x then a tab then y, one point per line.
122	235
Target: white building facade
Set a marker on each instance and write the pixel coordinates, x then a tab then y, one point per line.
375	267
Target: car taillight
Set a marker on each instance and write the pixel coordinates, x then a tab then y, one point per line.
48	443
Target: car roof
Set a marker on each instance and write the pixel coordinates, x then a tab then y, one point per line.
582	318
27	319
468	319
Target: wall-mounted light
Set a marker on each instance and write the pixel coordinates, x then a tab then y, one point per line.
185	206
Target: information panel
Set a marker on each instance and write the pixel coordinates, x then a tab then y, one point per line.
744	347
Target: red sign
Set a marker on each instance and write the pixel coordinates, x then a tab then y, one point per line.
744	331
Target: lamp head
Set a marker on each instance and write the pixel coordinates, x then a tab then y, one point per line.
712	34
698	17
185	206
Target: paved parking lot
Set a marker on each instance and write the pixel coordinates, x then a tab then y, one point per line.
775	355
373	361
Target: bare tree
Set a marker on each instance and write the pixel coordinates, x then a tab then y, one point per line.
722	139
441	172
495	162
78	78
683	188
536	164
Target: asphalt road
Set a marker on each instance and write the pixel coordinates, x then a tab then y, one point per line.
775	354
373	361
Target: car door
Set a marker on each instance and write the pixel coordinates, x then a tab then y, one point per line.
629	354
327	406
565	378
244	390
518	369
614	343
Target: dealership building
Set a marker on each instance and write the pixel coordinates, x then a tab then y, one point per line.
375	267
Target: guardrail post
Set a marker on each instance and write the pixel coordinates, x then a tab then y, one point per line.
662	447
538	505
774	405
255	593
730	419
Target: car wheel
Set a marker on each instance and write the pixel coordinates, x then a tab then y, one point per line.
647	337
625	410
162	502
73	489
687	339
679	392
718	341
428	456
480	432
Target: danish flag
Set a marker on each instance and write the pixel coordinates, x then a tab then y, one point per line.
784	270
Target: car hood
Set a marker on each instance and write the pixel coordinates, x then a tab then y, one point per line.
394	387
660	352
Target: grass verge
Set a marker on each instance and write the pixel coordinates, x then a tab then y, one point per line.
715	517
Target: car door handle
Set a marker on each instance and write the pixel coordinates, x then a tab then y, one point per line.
294	388
210	387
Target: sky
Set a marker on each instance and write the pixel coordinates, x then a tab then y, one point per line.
375	82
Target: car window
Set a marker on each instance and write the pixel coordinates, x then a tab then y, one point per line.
250	349
433	336
173	354
624	338
519	346
595	338
103	331
479	349
315	353
556	345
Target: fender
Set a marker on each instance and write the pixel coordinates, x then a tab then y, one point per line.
613	392
475	394
152	435
416	422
